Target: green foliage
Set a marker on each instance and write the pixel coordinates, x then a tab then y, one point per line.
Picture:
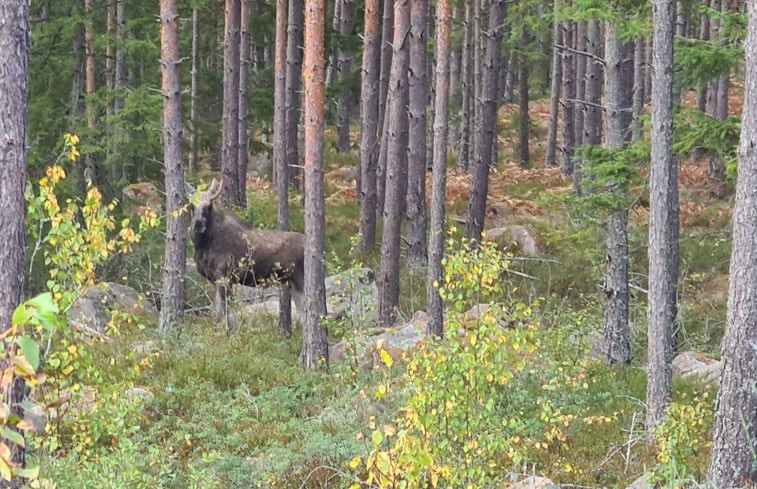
698	62
681	437
696	133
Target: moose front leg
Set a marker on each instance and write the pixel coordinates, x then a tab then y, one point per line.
222	312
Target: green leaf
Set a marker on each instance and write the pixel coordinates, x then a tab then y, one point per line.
28	473
21	315
30	350
13	436
5	469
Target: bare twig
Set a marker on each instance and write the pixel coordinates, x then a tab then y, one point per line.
582	53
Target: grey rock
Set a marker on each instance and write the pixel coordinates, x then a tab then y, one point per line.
93	310
642	482
514	238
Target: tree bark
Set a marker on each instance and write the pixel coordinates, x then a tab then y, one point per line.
369	126
734	439
397	125
466	114
524	121
569	94
439	176
230	152
244	74
556	84
315	348
486	136
663	220
295	22
616	331
343	70
594	82
174	264
117	171
387	33
90	173
720	112
281	171
639	56
14	96
416	183
581	43
193	91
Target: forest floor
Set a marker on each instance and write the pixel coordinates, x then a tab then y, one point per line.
238	411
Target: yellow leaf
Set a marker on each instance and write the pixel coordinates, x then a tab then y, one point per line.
386	358
355	462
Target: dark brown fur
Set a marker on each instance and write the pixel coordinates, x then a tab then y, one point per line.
227	247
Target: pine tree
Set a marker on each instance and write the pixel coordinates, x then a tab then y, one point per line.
436	239
230	168
663	220
14	93
315	348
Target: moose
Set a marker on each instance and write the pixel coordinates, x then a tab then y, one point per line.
228	250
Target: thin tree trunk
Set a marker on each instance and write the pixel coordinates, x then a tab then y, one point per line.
569	94
78	78
734	437
343	69
704	35
230	158
397	125
466	114
556	84
295	22
315	348
638	90
581	43
439	182
711	101
244	73
594	82
281	171
118	100
14	95
486	136
387	33
89	43
663	221
524	121
616	331
720	112
416	183
174	264
369	125
193	91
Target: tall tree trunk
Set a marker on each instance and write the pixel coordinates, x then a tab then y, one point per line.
14	95
616	331
734	438
193	91
556	84
244	73
663	220
569	95
639	57
295	22
398	124
466	113
89	43
439	175
387	33
78	79
711	101
594	82
486	136
720	112
230	158
704	35
110	85
369	98
117	171
416	183
524	121
174	264
581	42
281	172
343	71
315	348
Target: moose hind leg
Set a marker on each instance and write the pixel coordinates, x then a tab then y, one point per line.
298	297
